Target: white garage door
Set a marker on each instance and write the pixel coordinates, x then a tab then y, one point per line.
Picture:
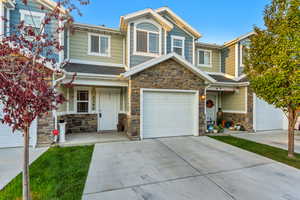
169	113
267	117
10	139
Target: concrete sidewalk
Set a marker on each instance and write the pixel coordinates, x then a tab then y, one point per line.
11	162
275	138
186	168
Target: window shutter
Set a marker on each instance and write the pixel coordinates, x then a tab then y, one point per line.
141	41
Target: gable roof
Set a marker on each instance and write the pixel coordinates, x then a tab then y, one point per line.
162	21
239	38
182	24
50	4
163	58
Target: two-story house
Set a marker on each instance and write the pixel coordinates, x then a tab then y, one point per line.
15	11
152	77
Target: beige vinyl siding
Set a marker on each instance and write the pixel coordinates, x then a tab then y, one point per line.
235	101
71	100
230	60
216	60
79	48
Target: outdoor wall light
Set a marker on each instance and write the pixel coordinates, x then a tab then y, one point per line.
203	97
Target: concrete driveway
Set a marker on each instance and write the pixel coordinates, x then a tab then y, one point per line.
186	168
274	138
11	162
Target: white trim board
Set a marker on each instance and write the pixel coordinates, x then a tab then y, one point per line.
78	61
160	59
124	19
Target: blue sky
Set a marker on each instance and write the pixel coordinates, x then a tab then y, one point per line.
217	20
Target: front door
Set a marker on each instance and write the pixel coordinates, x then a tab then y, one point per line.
109	106
211	107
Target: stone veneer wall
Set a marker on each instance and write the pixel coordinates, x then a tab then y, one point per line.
245	119
45	126
80	123
122	122
166	75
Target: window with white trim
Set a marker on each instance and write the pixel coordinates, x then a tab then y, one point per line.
147	38
178	45
243	54
33	19
99	45
204	58
82	101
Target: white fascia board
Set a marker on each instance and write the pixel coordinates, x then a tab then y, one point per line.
97	82
185	24
160	59
78	61
231	84
92	75
221	74
241	77
159	18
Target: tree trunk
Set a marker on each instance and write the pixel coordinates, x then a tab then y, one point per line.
291	136
26	191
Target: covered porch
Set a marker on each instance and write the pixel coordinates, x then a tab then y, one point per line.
233	100
95	110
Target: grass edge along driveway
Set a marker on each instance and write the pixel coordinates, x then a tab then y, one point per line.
268	151
60	173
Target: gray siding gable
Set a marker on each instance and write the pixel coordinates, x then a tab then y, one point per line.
177	31
15	17
138	59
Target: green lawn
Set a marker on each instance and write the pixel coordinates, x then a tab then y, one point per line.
60	173
274	153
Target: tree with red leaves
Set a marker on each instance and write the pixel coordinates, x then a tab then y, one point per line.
28	69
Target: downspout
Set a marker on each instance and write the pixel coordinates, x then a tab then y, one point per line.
54	84
205	94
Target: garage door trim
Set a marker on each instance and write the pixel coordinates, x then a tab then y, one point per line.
196	110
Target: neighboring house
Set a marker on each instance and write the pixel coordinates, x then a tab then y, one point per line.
154	79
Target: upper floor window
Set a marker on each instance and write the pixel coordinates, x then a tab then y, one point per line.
177	45
147	39
99	45
243	54
33	19
204	58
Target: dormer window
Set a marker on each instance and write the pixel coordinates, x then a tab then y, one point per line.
147	39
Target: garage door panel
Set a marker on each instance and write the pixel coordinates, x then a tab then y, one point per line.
15	139
267	116
168	114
